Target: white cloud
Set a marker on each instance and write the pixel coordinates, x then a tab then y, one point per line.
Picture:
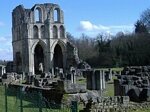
89	27
5	48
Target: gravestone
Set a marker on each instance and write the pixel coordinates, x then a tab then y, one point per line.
73	74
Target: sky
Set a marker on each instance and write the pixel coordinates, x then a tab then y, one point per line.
81	16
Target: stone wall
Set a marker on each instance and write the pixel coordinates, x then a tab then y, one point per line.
134	82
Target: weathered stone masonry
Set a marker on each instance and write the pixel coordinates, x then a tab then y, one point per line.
39	37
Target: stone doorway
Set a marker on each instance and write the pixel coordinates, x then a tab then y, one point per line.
58	57
38	59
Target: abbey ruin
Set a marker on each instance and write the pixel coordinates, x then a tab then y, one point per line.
47	74
39	39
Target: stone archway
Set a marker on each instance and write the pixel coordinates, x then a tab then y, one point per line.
58	57
38	58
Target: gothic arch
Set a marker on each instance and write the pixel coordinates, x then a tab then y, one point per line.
59	50
58	56
42	31
55	32
35	32
38	51
39	59
62	31
42	43
38	14
56	14
61	43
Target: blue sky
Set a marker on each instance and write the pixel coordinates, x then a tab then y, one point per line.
81	16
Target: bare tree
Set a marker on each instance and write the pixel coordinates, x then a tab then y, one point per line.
145	18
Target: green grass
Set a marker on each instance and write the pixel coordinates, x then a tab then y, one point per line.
140	110
30	103
114	69
109	89
81	80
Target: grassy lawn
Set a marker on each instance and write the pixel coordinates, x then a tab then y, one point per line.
141	110
81	80
13	103
113	69
29	103
109	89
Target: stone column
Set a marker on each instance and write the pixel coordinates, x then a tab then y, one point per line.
93	81
98	81
89	79
73	75
58	32
73	78
31	63
103	80
51	60
4	70
39	32
110	74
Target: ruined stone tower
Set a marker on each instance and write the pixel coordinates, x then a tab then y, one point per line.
39	38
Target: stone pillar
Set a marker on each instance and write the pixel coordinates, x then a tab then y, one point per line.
23	75
73	78
58	33
110	74
51	60
98	81
103	80
89	79
116	87
73	75
93	81
4	70
52	71
31	61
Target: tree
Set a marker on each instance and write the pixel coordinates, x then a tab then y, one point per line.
140	27
85	46
104	51
145	19
70	37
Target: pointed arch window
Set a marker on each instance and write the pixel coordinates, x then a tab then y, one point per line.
55	32
38	15
35	32
42	32
57	15
62	32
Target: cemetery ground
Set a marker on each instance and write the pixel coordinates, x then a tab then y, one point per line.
14	103
110	92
